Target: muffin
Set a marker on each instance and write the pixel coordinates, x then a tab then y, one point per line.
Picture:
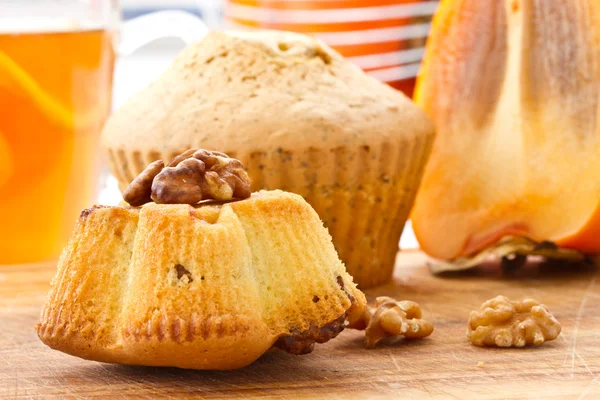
302	119
208	286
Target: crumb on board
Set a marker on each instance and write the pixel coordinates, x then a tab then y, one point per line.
480	364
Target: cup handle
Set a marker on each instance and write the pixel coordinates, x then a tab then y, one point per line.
147	28
133	35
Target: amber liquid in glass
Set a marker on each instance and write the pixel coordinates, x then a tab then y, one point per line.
55	94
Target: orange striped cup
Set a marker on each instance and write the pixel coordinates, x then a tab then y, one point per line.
384	37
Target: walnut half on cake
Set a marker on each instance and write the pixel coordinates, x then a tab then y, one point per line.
206	286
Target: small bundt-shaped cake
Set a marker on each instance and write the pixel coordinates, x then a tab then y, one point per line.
206	286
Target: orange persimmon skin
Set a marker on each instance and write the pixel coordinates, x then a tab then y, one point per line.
515	106
586	239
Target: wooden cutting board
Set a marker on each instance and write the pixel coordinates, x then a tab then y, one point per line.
442	366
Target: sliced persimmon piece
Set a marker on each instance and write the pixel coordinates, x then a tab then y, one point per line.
513	88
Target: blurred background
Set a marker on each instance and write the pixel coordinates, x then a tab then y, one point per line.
384	37
156	56
100	52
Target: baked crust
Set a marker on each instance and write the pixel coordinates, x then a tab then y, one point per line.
242	92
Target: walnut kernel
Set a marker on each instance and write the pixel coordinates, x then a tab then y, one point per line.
392	318
504	323
140	189
190	177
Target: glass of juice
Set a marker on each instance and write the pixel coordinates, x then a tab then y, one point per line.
56	68
384	37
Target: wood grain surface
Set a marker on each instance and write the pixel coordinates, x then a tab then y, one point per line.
442	366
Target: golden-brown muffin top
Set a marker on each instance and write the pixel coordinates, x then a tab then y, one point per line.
244	91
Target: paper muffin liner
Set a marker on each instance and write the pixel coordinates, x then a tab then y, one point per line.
126	165
363	194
